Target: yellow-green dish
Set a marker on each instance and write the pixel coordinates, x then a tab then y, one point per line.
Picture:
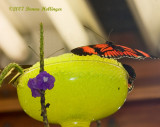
87	88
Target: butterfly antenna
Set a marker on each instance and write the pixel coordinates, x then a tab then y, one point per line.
110	33
95	33
55	52
33	51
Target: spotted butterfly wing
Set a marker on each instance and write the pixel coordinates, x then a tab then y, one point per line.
109	50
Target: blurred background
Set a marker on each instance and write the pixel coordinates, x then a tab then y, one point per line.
72	23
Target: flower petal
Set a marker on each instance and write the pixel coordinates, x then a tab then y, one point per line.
32	83
35	92
45	80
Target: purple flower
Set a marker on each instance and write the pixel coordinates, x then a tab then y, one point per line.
42	81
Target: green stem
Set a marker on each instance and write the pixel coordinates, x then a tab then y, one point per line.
7	70
43	106
41	48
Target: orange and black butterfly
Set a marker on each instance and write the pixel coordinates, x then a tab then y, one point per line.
109	50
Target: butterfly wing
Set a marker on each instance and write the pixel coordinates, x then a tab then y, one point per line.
131	78
132	53
97	49
119	51
83	51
